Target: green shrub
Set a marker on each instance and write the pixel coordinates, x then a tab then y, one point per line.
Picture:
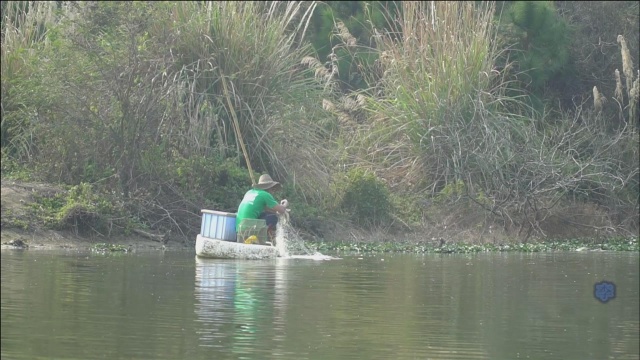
408	207
366	198
306	214
450	192
220	183
81	209
14	169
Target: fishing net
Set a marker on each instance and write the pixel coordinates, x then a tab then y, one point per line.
288	241
291	245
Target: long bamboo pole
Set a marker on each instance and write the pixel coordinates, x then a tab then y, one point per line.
236	126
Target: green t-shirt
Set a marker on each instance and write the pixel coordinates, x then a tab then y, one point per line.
253	204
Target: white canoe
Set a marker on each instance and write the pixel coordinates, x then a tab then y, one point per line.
220	249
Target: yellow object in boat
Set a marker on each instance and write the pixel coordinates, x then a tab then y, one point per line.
251	240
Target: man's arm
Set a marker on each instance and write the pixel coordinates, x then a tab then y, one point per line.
280	209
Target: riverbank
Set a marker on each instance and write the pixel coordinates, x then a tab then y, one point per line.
57	240
21	229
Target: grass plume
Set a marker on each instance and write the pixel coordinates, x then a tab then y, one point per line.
627	62
619	92
598	100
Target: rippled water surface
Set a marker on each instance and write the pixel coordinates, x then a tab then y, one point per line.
174	306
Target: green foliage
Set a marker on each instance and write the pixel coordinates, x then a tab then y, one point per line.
24	28
365	198
138	99
237	60
407	207
82	210
121	89
451	192
305	213
11	220
220	183
354	14
11	168
541	38
46	208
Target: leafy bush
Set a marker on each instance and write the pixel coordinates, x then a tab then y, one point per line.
12	168
220	183
366	198
83	210
307	214
451	192
409	208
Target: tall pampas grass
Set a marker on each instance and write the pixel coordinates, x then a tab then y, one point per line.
24	31
24	27
256	48
619	93
598	100
631	85
634	98
438	78
627	62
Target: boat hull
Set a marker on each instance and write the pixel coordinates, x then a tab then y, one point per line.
220	249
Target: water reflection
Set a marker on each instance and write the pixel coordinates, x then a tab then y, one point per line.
240	304
485	306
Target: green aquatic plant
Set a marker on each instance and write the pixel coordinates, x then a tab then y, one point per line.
613	244
105	248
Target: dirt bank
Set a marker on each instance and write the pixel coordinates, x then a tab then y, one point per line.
19	229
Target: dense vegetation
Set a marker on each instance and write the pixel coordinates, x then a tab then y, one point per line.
464	120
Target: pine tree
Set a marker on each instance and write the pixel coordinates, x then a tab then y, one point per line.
541	40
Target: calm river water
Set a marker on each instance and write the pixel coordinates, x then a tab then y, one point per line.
63	305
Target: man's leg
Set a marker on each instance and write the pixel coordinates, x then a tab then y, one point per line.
272	222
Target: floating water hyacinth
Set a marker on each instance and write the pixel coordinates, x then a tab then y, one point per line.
614	244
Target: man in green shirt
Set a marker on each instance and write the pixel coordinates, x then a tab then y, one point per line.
259	203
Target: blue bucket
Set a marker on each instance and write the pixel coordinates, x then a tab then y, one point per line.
218	225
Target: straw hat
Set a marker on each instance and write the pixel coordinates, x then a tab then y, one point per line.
265	182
